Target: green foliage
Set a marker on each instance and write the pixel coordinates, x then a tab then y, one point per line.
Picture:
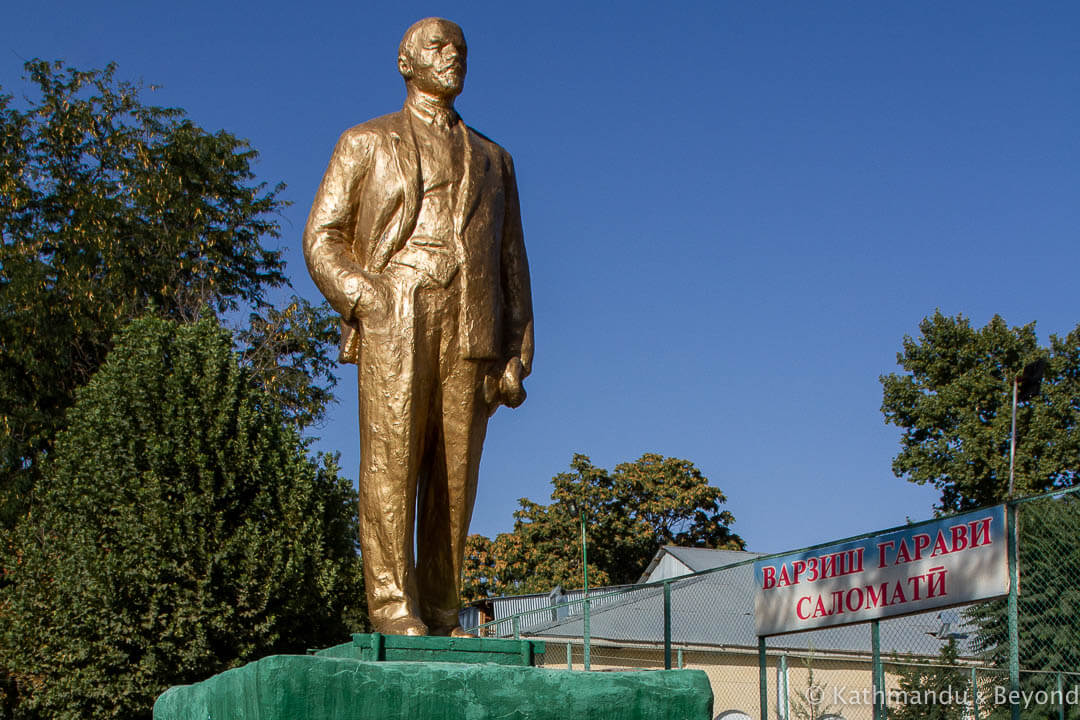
110	208
287	353
934	690
182	530
1048	610
954	404
480	574
813	702
629	513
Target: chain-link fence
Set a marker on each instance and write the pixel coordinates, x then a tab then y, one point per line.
1006	658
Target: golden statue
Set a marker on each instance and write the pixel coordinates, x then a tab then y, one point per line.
415	238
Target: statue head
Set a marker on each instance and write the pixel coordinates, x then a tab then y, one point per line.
431	58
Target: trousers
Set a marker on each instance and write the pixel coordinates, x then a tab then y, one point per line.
423	417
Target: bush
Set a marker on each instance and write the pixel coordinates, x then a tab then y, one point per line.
182	530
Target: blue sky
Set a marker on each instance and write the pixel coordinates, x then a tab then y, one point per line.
734	212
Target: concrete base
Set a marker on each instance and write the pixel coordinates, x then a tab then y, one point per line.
299	687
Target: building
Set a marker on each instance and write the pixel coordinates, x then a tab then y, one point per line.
712	629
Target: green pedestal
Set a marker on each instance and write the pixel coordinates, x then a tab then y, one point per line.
376	647
299	687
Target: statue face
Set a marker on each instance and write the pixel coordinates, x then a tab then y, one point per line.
436	60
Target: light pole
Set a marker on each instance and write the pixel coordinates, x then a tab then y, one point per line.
1026	385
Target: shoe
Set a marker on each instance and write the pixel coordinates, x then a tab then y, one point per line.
451	631
408	625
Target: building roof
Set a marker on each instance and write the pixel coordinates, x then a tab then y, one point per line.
697	559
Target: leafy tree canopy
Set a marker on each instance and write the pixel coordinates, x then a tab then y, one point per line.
182	530
109	208
954	404
629	513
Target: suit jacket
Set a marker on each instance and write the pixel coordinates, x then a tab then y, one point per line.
367	207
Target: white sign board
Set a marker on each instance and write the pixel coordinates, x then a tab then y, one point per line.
939	563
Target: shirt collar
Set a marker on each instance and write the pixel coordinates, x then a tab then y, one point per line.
432	114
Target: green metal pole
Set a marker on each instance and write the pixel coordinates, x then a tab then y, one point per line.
667	625
782	689
517	627
876	672
569	656
974	695
763	679
681	666
1013	609
1061	698
586	636
585	607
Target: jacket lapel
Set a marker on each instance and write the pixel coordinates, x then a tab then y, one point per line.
407	161
476	164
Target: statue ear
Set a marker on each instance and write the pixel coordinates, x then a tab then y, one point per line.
404	66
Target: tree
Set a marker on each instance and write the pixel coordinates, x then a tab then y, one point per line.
933	690
287	352
110	208
954	405
1048	620
479	577
182	530
629	513
813	702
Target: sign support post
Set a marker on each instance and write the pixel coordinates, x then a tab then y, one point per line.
763	677
974	695
783	707
877	672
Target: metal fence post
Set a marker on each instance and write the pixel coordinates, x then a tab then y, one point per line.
974	695
517	627
877	672
782	698
1013	608
585	634
569	656
763	679
1061	698
585	605
667	625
